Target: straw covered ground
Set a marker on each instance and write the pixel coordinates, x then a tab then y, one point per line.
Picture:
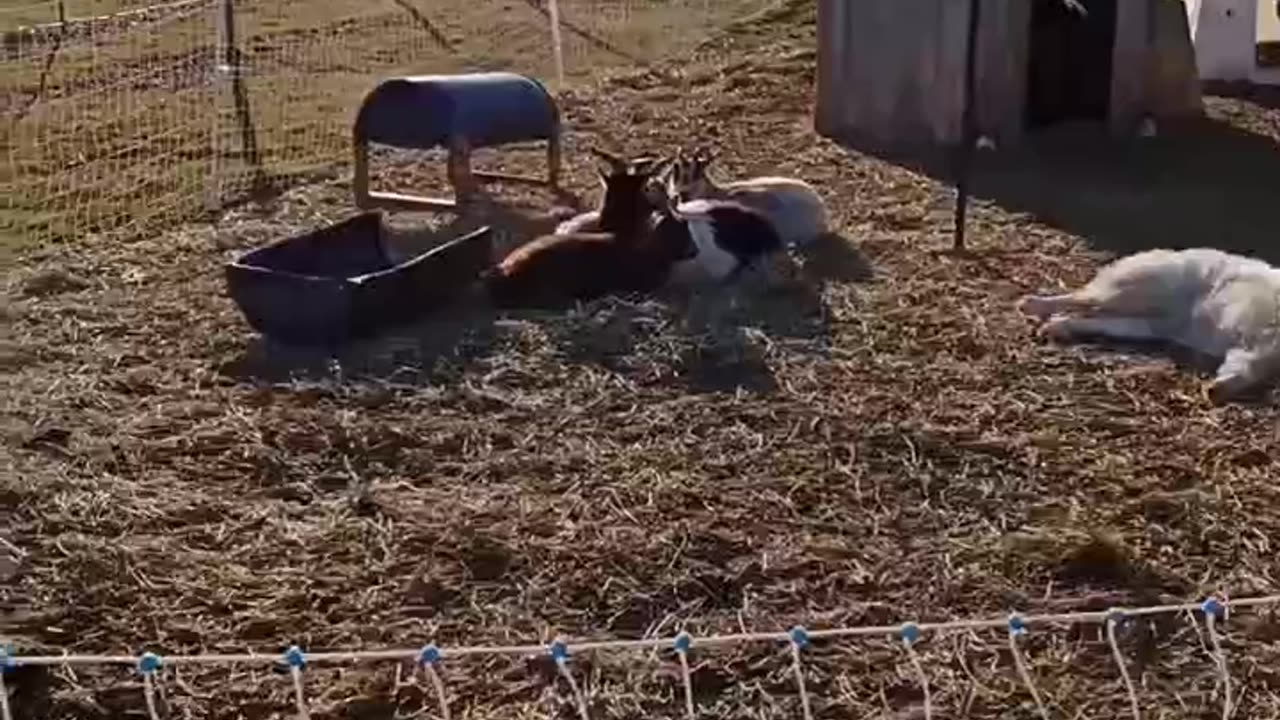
885	440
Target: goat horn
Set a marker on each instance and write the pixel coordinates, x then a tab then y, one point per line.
650	161
651	166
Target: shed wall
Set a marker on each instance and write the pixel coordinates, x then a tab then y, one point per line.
1135	32
1003	46
1173	82
889	71
892	72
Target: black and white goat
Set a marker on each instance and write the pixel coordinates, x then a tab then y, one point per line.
726	238
793	206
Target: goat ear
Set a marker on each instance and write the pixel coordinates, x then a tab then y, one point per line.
670	174
662	168
616	164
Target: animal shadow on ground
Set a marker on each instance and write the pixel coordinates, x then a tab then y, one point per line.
710	340
1267	96
1200	183
412	354
834	258
652	339
1109	351
629	336
736	327
707	341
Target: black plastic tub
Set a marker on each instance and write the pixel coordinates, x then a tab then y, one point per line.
339	283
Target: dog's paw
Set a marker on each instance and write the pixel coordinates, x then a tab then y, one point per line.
1034	306
1057	329
1225	389
1214	393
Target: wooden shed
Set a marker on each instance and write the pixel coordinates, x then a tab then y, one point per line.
891	72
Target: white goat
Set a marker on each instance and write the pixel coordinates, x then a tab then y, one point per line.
1217	304
793	206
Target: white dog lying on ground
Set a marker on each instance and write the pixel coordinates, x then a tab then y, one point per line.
1217	304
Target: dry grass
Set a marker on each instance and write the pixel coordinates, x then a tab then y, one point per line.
124	126
851	450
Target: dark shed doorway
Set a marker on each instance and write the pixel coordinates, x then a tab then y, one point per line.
1070	62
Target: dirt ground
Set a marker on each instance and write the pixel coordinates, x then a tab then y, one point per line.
886	441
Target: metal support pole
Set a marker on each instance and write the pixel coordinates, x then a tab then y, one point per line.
964	157
557	44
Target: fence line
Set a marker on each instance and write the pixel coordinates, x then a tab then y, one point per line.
119	117
798	638
142	12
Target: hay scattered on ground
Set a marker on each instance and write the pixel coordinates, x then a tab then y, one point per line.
886	441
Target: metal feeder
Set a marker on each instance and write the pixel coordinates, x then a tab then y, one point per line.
460	113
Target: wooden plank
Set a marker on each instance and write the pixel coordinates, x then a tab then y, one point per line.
507	177
400	201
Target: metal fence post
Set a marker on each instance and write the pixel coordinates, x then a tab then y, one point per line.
224	16
964	164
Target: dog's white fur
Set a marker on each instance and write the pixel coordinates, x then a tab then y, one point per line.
1215	303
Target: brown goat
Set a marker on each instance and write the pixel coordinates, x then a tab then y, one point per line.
624	257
